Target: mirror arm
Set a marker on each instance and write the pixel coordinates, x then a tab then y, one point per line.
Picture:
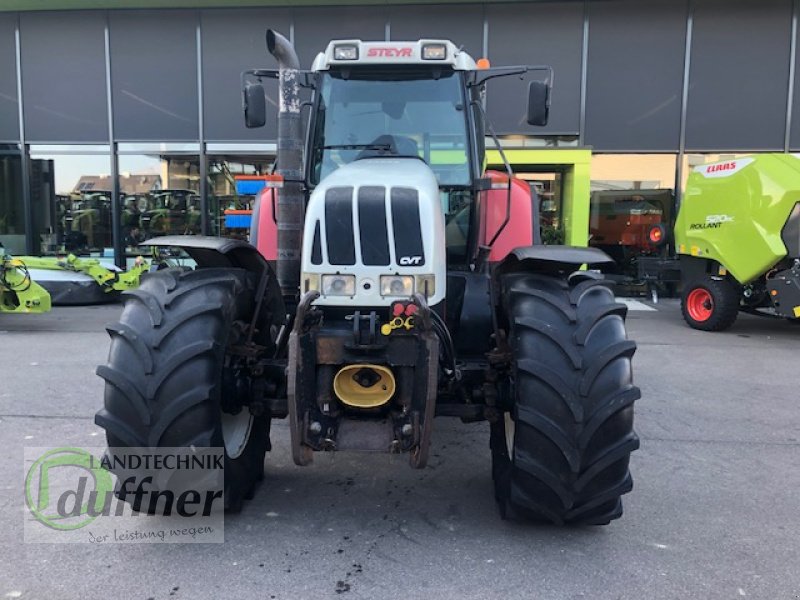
260	74
308	77
494	73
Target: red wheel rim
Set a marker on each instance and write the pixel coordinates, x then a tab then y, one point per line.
700	304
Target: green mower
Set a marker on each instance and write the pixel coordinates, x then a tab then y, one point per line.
738	240
18	292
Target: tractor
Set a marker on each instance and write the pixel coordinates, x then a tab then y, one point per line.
405	283
171	212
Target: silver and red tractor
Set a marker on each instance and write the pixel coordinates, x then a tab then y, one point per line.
392	280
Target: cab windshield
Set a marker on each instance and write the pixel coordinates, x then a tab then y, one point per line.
364	114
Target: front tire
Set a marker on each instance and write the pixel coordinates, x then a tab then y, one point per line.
564	452
164	371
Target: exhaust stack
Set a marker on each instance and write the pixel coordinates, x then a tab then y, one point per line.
290	165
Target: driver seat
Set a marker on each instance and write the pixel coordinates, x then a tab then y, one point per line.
398	146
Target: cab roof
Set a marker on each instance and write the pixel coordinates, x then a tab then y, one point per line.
393	53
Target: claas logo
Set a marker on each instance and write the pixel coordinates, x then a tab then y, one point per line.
388	52
729	166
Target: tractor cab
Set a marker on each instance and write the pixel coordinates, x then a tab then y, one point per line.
385	105
399	100
417	101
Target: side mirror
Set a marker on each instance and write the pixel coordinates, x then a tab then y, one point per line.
255	105
538	103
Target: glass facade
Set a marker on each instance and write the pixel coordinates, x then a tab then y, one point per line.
231	195
12	210
135	115
549	189
159	192
71	190
631	194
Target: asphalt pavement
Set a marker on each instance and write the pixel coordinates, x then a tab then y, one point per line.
715	510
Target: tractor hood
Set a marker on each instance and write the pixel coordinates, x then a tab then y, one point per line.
383	170
371	218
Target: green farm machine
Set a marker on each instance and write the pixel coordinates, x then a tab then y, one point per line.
738	240
19	293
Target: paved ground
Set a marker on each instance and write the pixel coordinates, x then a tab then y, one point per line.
715	512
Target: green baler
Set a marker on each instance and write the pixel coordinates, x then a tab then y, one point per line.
738	240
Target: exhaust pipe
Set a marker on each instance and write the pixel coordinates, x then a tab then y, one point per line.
290	166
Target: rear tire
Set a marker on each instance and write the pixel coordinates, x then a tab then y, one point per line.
164	371
564	453
710	304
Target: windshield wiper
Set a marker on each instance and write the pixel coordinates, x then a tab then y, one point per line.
385	147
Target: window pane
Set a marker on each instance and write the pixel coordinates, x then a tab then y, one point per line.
629	41
71	200
372	115
223	172
536	33
12	218
154	75
463	27
549	188
315	27
631	194
159	195
633	171
9	110
737	100
794	140
232	42
64	76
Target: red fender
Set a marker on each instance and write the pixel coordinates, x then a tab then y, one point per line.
519	231
266	225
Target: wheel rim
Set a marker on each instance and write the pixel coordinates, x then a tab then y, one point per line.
700	304
510	428
236	432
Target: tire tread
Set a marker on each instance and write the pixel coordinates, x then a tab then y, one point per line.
573	409
163	373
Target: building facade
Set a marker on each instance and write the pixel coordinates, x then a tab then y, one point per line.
93	97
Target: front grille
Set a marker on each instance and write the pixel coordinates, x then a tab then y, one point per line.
407	234
372	221
316	246
339	226
373	228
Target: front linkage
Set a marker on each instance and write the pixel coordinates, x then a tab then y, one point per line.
392	379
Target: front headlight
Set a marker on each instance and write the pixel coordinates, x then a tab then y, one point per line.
397	285
338	285
434	52
345	52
